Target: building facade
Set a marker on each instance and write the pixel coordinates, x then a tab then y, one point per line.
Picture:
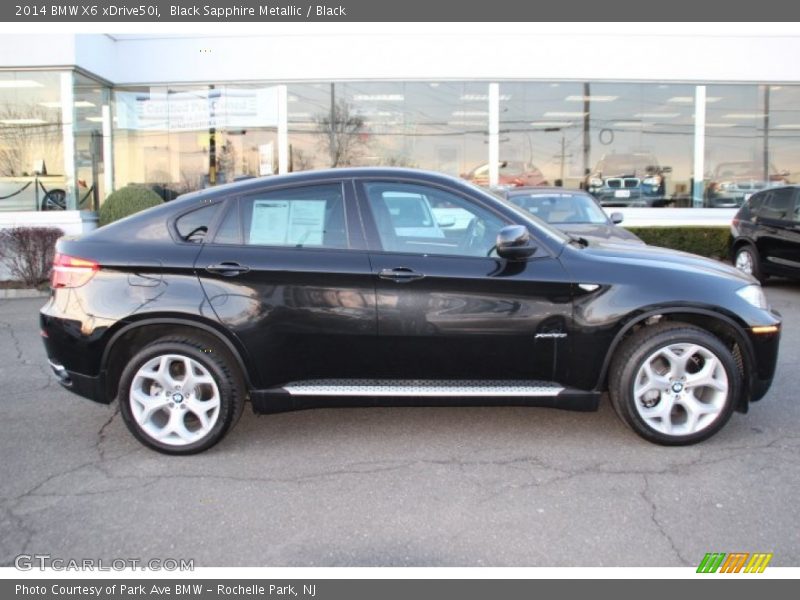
680	116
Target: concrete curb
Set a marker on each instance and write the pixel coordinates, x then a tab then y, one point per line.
12	294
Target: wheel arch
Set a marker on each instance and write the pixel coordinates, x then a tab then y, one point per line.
134	335
723	326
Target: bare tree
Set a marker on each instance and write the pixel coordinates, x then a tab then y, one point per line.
342	134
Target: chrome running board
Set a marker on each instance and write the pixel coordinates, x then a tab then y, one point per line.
317	393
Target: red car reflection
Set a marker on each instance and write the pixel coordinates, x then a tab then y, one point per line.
513	173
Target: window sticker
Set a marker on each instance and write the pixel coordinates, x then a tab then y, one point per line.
288	223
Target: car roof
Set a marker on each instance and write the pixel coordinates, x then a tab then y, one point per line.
244	186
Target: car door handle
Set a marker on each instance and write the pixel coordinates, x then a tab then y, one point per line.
400	274
227	269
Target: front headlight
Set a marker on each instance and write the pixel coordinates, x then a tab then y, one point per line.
654	180
596	182
754	295
727	186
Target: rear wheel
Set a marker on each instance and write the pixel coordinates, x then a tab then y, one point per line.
179	396
674	384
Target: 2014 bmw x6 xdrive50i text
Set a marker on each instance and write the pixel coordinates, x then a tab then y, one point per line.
307	290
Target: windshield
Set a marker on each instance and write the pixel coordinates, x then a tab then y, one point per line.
740	169
561	208
543	226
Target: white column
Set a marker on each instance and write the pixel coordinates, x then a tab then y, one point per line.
108	151
494	133
283	130
68	137
699	144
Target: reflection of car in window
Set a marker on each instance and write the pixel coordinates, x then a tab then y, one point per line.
734	182
511	173
411	215
633	179
574	212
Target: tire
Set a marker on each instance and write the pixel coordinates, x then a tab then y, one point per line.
665	403
163	412
747	260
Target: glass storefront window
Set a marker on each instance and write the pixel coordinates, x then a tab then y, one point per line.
178	139
31	140
442	126
628	144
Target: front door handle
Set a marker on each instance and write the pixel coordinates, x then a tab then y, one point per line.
227	269
400	274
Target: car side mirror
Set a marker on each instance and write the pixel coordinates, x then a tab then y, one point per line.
666	169
616	218
446	221
514	243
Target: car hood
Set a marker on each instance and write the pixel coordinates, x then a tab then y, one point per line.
599	232
625	252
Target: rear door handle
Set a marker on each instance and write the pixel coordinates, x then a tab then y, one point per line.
400	274
227	269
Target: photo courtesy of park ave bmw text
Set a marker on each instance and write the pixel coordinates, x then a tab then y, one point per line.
365	299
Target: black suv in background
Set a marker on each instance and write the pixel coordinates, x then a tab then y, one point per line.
765	234
322	289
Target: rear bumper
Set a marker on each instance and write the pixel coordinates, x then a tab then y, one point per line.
85	386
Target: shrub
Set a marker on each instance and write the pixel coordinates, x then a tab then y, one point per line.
28	252
127	201
711	242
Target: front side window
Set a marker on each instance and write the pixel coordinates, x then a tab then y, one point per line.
419	219
310	217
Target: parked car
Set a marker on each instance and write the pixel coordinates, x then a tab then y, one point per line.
734	182
304	290
511	173
765	234
633	179
573	212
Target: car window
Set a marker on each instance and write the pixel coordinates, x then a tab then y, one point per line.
419	219
193	226
796	212
779	204
312	216
561	207
229	231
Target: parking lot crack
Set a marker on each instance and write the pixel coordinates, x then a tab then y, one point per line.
646	496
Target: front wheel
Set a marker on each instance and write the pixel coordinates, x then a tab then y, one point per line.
674	384
179	396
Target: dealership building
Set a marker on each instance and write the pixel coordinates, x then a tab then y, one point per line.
677	114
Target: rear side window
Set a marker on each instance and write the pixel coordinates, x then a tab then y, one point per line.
779	205
310	217
193	226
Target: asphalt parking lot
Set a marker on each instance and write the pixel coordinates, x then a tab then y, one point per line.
394	486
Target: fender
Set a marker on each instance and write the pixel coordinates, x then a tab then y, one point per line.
238	352
741	339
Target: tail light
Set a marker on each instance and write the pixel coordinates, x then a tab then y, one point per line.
72	272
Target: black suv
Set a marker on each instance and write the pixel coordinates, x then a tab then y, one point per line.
317	290
765	234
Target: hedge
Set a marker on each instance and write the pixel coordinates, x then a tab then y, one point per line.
706	241
127	201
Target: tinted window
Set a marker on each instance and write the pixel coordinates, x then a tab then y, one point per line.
308	217
778	205
426	220
560	207
193	226
229	231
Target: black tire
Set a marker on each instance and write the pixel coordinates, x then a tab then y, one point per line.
629	359
755	260
222	369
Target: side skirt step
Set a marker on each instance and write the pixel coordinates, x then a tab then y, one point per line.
320	393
